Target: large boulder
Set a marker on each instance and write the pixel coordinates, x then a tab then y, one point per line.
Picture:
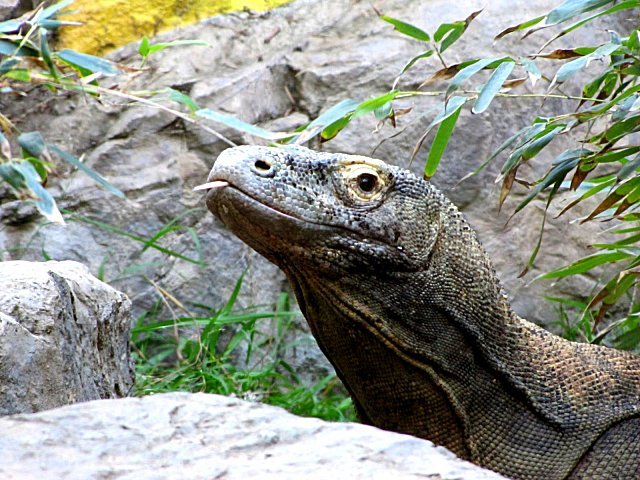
64	337
201	436
278	69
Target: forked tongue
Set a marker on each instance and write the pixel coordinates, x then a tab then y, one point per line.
210	185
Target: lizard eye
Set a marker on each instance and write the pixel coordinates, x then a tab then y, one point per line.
362	179
364	182
367	182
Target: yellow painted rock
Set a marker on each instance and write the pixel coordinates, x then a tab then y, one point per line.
108	24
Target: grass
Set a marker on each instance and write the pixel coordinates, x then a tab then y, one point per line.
576	323
229	353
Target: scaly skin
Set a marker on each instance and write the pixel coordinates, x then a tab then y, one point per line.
405	304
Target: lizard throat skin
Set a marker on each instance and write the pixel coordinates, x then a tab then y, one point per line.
405	304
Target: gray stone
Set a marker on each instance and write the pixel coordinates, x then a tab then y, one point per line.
200	436
279	68
9	8
64	337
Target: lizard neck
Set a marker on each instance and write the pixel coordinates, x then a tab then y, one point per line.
411	368
384	382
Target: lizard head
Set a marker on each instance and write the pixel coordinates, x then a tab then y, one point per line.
334	211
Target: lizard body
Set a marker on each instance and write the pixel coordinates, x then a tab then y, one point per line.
405	304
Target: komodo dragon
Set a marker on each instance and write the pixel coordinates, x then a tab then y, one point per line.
405	304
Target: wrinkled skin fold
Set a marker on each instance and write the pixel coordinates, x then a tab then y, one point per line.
405	304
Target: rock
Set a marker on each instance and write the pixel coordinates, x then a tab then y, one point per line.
200	436
279	68
64	337
11	8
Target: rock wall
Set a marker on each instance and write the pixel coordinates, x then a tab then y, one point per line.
202	436
277	69
64	337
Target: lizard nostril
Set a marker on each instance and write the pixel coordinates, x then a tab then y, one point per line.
263	168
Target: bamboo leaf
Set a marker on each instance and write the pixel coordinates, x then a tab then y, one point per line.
629	168
240	125
580	175
570	159
156	47
573	8
411	62
585	264
13	176
536	249
532	70
91	173
185	100
566	53
537	144
535	137
449	33
332	120
507	184
613	291
32	143
335	113
45	53
520	26
5	147
373	104
440	142
333	129
143	48
506	144
450	107
622	128
592	189
87	62
614	197
14	50
447	72
493	86
55	8
617	8
469	71
383	111
10	26
616	155
569	69
407	29
43	199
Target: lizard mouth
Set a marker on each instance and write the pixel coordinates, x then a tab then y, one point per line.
226	194
282	237
256	222
264	226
